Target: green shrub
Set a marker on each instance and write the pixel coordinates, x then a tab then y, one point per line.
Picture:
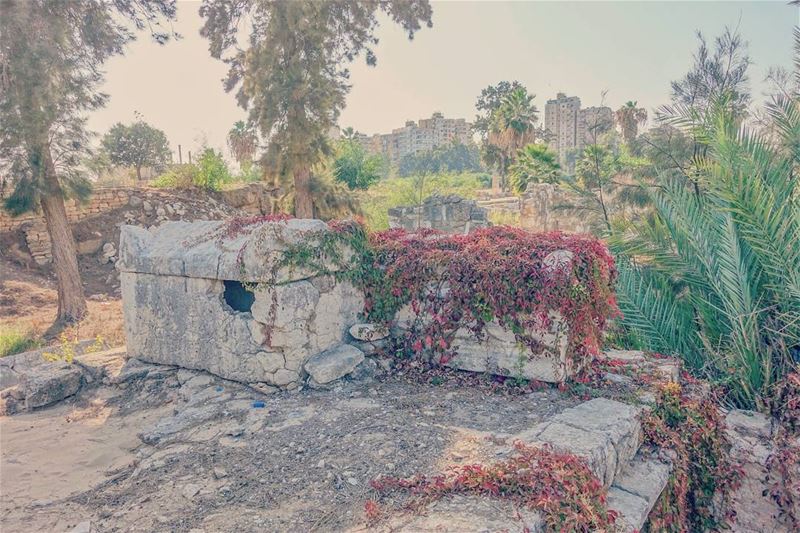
212	171
177	177
13	341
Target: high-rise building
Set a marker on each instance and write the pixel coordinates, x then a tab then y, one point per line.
561	124
415	137
570	128
593	121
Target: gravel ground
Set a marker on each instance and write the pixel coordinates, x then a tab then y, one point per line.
213	455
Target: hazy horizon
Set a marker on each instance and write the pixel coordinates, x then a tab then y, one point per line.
633	50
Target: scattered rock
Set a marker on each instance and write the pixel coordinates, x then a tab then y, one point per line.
49	383
220	472
365	371
83	527
369	332
333	364
160	211
89	247
135	201
190	490
147	206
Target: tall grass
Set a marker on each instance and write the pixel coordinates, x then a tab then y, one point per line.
14	341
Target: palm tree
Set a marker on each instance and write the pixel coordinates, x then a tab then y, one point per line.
349	133
535	163
715	277
513	125
629	118
243	142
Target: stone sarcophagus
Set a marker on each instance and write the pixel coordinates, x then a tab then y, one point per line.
213	296
242	299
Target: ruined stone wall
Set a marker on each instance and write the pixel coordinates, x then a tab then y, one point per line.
539	209
451	214
252	198
102	200
255	198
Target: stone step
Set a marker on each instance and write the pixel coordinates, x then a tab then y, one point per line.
606	433
636	489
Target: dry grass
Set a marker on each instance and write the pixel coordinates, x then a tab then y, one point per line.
30	308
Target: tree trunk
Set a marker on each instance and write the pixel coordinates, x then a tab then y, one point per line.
303	205
138	174
71	300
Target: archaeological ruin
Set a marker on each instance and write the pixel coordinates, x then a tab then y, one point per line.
200	296
451	214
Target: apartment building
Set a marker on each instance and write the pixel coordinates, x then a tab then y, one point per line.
570	128
561	124
415	137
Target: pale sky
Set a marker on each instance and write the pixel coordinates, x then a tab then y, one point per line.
631	49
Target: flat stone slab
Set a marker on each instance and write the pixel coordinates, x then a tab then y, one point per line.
49	383
334	363
206	249
605	432
458	514
636	490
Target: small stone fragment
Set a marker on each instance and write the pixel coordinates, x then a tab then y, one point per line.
369	332
333	364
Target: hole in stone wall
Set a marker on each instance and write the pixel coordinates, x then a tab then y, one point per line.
238	297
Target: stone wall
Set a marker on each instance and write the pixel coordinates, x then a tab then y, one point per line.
35	229
254	198
451	214
539	209
102	200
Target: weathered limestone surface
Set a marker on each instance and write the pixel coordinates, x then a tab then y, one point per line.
202	250
750	434
176	312
500	353
636	489
605	432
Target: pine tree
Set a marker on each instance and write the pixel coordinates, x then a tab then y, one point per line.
51	53
292	77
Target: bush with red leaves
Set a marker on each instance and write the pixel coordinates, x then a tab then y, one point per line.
561	486
497	273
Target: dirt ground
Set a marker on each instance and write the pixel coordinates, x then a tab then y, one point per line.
28	303
184	451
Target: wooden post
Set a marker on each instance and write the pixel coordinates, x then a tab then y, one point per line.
190	157
180	155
